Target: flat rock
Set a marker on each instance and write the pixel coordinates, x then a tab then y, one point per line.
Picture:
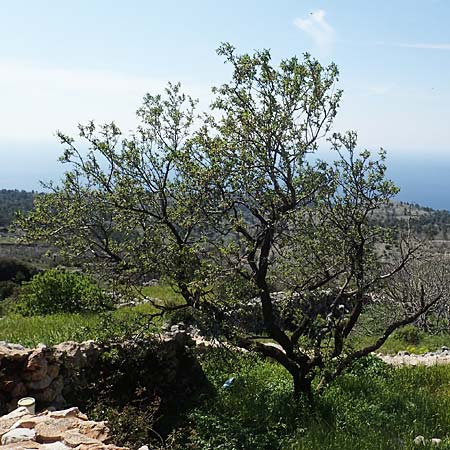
28	422
18	435
7	421
94	430
69	412
54	446
52	430
99	447
74	438
23	445
16	414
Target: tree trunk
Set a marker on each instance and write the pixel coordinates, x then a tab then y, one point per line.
302	385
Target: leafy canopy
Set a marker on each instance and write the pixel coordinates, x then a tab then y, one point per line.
229	206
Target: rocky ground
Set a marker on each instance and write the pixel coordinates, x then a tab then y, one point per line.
53	430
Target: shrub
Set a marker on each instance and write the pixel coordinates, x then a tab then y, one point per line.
56	291
409	334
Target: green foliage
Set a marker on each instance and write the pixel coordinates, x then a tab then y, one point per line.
142	389
131	426
7	288
57	291
240	200
51	330
373	407
123	392
409	334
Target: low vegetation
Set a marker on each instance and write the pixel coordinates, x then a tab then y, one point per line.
372	407
60	291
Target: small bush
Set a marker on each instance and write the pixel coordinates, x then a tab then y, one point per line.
371	366
409	334
58	291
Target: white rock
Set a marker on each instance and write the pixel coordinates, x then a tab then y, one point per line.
18	435
55	446
436	442
419	440
70	412
144	447
18	412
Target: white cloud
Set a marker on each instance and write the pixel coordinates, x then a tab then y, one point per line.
316	27
426	46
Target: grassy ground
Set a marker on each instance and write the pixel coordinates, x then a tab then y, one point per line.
53	329
375	407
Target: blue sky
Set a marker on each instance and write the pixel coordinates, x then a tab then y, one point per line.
67	62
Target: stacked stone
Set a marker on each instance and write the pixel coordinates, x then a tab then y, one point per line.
53	430
43	373
404	358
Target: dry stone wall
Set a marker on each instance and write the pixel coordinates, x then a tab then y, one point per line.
55	374
44	373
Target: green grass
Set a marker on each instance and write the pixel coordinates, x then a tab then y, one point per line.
424	343
56	328
53	329
165	293
375	407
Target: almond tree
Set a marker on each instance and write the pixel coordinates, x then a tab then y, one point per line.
286	220
240	205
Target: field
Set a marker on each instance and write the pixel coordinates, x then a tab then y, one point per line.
374	407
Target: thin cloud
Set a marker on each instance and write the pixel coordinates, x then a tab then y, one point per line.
38	100
318	29
426	46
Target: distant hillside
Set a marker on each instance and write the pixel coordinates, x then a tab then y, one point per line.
12	201
424	223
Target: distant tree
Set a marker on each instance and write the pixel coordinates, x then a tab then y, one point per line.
238	206
11	201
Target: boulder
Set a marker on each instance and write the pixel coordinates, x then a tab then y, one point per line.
50	393
14	353
40	384
19	390
53	370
